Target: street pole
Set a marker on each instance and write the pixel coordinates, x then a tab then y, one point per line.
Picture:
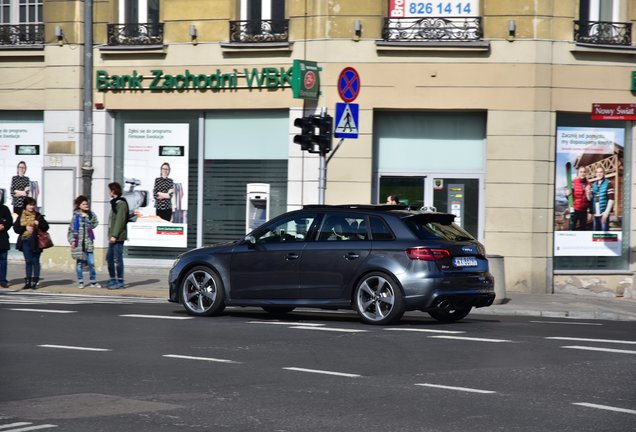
87	160
322	169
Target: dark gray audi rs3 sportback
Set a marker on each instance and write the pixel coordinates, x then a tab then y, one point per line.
379	260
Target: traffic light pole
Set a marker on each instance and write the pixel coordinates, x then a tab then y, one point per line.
322	174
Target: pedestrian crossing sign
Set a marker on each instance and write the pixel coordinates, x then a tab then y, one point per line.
346	120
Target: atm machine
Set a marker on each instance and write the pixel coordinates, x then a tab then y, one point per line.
256	206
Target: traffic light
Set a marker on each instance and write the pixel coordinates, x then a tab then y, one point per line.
306	139
325	127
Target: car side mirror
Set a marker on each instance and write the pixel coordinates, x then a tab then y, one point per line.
250	240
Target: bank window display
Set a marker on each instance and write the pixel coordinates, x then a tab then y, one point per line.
591	209
242	147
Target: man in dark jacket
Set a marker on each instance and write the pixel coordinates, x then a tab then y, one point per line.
117	235
6	221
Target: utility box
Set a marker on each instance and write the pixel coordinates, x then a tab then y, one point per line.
256	206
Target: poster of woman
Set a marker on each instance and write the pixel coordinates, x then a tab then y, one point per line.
588	184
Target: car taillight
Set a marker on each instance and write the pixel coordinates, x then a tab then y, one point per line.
426	254
481	249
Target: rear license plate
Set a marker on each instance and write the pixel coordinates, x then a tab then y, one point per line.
465	261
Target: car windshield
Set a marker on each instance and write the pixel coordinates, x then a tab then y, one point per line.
437	226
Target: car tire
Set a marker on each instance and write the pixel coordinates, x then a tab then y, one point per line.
450	314
278	310
202	292
378	299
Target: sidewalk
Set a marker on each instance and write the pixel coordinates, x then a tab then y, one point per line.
153	282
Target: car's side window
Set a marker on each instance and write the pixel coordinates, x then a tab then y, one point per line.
342	227
294	229
379	230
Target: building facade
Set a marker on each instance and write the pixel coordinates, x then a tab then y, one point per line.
484	108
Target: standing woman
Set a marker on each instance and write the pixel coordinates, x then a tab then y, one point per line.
26	226
81	237
20	187
163	191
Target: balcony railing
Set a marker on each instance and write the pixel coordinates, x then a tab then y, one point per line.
603	33
259	31
135	34
21	34
432	29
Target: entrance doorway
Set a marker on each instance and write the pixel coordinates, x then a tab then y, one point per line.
451	193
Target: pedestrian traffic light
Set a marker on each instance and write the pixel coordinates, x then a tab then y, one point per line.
306	138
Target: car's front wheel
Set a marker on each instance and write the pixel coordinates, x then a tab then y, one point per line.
202	292
450	314
378	299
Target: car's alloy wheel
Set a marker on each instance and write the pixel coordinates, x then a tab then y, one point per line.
450	314
202	292
378	299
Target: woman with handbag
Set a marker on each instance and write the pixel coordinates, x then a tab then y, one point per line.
30	225
81	238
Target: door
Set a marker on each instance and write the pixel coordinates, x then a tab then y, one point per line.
447	193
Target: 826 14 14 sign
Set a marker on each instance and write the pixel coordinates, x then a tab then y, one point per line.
440	8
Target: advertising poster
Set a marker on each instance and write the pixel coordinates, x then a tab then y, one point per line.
433	8
589	184
21	143
156	183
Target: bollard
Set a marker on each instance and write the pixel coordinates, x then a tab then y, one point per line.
496	265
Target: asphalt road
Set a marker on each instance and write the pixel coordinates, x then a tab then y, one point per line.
91	364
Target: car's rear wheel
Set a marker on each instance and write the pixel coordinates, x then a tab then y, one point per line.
378	299
450	314
202	292
278	310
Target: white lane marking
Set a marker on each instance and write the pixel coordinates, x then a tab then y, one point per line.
155	316
425	330
210	359
14	425
464	389
564	322
43	310
324	372
73	348
31	428
605	407
284	323
470	338
331	329
599	349
594	340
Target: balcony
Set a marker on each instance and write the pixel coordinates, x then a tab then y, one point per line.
603	33
21	35
135	34
452	29
259	31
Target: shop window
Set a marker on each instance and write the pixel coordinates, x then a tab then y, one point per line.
138	24
435	21
21	22
261	21
591	208
600	23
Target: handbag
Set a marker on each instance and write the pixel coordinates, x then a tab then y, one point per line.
44	240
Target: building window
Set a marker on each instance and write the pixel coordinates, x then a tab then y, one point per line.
600	23
260	21
21	22
138	24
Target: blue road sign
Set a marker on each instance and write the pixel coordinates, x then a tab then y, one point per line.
346	120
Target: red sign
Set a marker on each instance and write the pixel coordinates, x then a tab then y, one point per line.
310	80
613	111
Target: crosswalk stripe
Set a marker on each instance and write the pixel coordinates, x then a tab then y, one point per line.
605	407
5	428
42	310
587	348
614	341
469	338
464	389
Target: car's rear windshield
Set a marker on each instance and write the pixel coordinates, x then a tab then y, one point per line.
439	226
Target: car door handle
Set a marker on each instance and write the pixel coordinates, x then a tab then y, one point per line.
292	256
351	256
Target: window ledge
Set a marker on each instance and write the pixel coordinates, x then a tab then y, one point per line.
132	49
21	50
581	47
256	46
432	46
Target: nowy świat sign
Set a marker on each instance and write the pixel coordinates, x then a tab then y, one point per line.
255	78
